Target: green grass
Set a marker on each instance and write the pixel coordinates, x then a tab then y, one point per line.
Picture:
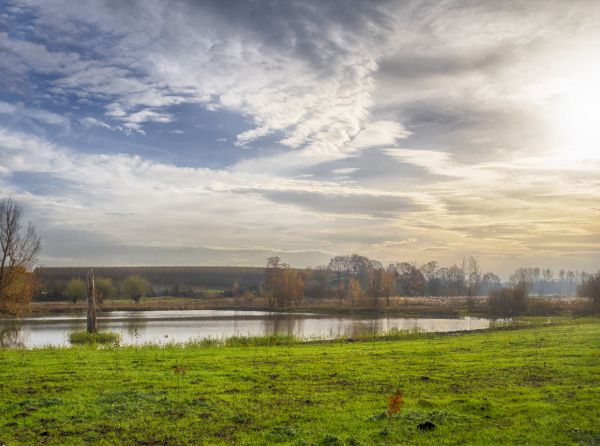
101	337
536	386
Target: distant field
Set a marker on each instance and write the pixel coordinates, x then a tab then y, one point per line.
536	386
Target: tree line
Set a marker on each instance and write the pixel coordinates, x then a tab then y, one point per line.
357	279
352	278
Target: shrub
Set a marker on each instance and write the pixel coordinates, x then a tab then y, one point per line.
136	287
508	301
101	337
590	288
76	289
105	289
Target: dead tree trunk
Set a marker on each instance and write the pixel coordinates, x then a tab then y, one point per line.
91	301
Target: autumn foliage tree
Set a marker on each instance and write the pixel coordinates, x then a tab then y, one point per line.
17	295
19	248
283	286
353	292
381	284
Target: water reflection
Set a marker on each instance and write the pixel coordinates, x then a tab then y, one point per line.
160	327
11	336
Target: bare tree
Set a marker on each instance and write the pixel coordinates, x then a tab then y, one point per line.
19	250
474	282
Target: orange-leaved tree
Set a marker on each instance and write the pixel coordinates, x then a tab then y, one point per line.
19	248
283	286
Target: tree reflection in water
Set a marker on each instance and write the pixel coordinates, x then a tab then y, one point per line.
11	336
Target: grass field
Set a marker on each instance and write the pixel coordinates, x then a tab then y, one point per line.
536	386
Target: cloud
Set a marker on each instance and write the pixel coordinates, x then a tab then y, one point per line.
348	203
364	124
153	199
308	78
19	111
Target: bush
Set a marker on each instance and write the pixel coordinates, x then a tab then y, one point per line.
590	288
105	289
76	290
101	337
508	301
136	287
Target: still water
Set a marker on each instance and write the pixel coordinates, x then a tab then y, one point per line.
161	327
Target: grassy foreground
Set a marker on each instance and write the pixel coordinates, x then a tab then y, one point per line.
528	386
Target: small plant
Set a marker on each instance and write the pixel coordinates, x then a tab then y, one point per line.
101	337
395	403
179	371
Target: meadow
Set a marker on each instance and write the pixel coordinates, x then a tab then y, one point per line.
534	384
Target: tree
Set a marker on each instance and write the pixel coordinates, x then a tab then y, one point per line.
508	301
19	250
474	282
524	278
360	267
381	283
411	281
429	271
272	281
283	286
340	265
490	282
105	289
76	290
135	287
353	291
19	292
590	288
453	279
293	287
474	277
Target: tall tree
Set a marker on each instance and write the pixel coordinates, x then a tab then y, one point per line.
19	247
474	282
283	286
410	279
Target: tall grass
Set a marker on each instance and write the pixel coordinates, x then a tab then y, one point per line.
101	337
246	341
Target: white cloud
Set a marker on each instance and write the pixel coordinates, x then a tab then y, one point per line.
475	78
18	110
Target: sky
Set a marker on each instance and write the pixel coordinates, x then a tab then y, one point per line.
223	132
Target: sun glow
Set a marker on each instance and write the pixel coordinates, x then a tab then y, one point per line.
575	117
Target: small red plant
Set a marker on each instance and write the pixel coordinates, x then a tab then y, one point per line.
395	403
179	369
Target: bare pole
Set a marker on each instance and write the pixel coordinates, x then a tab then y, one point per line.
91	300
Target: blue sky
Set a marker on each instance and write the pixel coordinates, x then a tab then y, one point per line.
210	132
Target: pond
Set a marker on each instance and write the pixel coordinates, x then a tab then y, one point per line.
162	327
